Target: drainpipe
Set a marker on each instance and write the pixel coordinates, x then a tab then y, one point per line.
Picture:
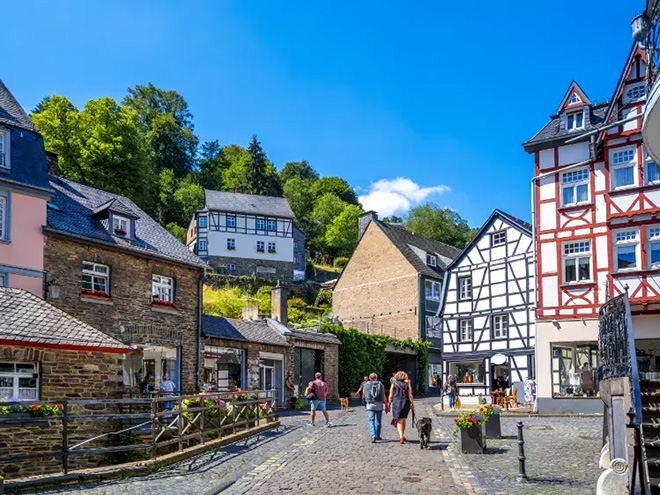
199	329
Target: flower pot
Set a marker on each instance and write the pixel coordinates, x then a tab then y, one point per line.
471	440
493	427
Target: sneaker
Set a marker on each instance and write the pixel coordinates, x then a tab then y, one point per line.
373	440
378	438
310	424
328	424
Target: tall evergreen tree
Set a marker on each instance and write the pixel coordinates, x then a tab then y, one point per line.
253	178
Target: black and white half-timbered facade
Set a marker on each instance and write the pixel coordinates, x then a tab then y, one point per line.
489	309
245	234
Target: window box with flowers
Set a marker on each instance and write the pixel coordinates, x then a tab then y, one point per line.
272	251
469	426
231	248
95	294
161	303
19	415
120	231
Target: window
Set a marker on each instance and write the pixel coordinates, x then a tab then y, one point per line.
433	329
470	372
231	268
4	218
260	246
231	244
95	279
577	262
272	226
231	221
3	280
575	187
465	330
435	375
19	381
121	225
498	238
625	250
575	121
574	99
432	290
261	224
464	288
431	260
202	245
652	172
500	325
4	150
654	247
271	247
575	369
636	92
622	168
203	222
162	288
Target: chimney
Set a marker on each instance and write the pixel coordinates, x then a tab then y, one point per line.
251	311
52	163
363	221
278	296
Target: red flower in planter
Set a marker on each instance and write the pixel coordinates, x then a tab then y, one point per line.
162	302
92	292
120	231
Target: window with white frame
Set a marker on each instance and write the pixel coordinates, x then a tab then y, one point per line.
203	222
272	225
231	268
162	288
431	260
500	324
231	244
260	246
498	238
202	246
636	92
575	187
231	221
464	288
272	247
465	330
121	225
575	121
652	171
622	168
574	99
577	261
432	290
625	249
19	381
4	149
261	224
4	217
433	329
653	247
95	278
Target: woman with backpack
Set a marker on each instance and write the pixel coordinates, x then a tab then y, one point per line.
401	400
373	394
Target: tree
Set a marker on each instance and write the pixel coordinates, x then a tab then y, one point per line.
393	219
342	233
297	193
167	124
334	185
301	170
189	198
177	231
167	207
235	158
258	175
440	224
211	165
326	209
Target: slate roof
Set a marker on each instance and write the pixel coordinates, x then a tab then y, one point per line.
11	112
325	338
406	241
25	317
515	220
76	216
248	203
258	331
117	206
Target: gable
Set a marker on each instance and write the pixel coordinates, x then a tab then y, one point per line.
631	87
574	98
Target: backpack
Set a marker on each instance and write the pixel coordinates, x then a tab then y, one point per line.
373	392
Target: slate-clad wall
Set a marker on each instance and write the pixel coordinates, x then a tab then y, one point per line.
130	291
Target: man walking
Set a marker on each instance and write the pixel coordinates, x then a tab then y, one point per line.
374	396
320	390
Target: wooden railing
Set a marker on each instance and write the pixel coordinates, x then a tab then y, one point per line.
162	423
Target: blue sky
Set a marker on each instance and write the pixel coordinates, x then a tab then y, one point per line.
441	94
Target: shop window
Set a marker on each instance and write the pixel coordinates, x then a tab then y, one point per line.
575	369
435	375
223	368
146	368
19	381
469	372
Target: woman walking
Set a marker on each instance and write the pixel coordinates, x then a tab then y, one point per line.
450	391
402	402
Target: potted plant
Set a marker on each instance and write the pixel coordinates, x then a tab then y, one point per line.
492	426
470	433
120	231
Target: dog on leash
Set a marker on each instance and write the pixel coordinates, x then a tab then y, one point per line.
424	427
344	403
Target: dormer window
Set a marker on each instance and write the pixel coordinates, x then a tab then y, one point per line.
574	99
4	150
432	260
575	121
121	226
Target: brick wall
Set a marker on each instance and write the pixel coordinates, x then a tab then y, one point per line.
130	291
378	290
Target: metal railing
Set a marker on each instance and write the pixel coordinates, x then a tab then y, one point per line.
161	423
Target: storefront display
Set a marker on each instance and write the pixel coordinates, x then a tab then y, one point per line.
472	372
224	368
575	369
146	366
435	375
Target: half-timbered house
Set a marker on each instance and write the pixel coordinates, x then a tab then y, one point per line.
488	312
596	207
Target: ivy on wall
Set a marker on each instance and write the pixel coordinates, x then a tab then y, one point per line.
361	354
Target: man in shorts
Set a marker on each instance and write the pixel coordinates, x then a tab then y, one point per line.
320	390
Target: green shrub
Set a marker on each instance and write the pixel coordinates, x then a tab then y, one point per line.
224	302
340	262
325	298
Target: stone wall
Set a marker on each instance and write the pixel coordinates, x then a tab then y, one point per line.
248	267
330	369
378	290
129	308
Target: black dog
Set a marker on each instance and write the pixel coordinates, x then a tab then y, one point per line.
424	428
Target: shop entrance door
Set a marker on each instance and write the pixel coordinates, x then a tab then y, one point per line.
306	363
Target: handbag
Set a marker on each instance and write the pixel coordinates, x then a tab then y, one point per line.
311	395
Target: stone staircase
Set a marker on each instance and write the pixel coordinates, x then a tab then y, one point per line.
650	390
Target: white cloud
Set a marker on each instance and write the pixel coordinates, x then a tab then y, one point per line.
396	196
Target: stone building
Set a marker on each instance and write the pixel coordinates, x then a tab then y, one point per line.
392	286
111	265
246	234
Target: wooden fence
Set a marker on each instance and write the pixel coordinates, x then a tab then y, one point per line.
160	424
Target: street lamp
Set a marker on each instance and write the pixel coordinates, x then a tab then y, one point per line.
641	27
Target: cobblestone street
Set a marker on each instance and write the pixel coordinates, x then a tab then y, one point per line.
562	459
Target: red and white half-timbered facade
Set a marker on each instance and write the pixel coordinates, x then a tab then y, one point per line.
597	233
